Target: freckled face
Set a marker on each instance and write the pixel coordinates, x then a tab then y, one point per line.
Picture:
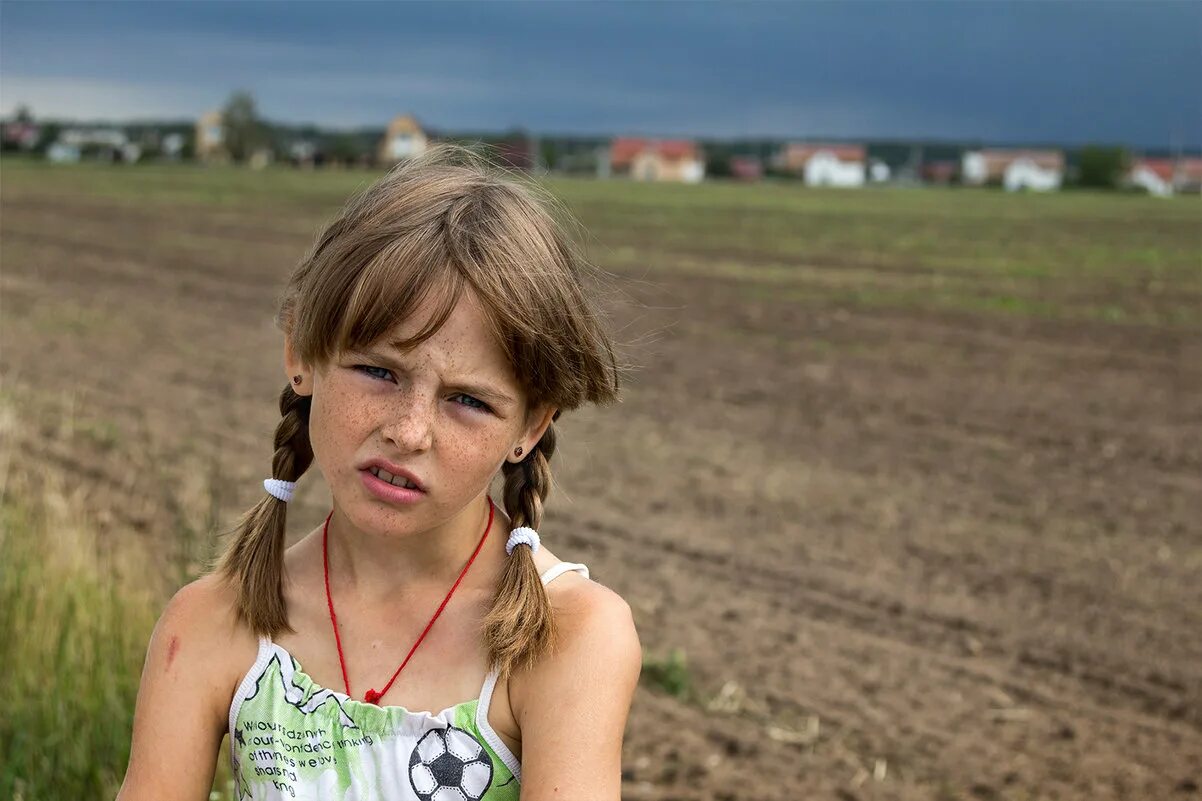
448	410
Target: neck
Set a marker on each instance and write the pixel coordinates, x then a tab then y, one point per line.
381	567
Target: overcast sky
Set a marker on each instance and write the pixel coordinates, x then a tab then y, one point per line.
1069	72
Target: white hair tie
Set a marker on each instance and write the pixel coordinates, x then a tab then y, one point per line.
280	489
522	536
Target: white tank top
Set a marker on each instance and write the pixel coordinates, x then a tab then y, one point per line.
293	739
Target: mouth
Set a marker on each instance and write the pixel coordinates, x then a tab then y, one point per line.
396	481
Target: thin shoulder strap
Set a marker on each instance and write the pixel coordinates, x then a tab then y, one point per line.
555	571
490	683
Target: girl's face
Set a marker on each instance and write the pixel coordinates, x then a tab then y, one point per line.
449	412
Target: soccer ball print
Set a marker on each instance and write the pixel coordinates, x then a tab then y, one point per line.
449	765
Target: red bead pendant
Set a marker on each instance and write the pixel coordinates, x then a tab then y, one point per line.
372	697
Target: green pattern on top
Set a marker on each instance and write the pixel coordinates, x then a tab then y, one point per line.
294	739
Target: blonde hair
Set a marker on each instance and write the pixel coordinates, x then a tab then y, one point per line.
436	225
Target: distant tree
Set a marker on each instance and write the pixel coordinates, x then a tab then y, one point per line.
188	151
549	153
717	164
1101	167
244	131
47	136
22	114
345	148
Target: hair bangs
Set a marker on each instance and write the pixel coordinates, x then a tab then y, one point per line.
400	280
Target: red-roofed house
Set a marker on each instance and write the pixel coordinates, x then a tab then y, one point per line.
1188	177
824	164
1154	175
1164	176
1040	170
940	173
22	135
746	168
657	159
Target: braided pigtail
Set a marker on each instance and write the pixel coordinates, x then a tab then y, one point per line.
520	627
254	560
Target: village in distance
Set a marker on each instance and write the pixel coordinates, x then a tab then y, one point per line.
236	134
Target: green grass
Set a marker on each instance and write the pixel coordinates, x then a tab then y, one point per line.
75	619
182	184
1104	257
72	640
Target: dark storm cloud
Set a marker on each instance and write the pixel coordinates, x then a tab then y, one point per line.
1067	72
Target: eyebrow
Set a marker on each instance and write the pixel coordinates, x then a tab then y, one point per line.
484	391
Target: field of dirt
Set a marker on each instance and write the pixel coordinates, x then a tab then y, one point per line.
912	543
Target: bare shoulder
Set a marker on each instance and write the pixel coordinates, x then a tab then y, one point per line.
584	607
202	622
595	628
187	684
572	706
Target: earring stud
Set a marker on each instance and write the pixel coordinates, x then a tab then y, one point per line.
517	451
296	379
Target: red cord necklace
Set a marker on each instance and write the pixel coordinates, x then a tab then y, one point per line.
373	696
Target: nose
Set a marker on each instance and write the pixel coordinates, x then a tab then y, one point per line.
410	423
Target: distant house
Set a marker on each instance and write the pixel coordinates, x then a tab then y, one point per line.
404	138
1154	175
62	153
104	144
746	168
823	164
304	153
20	135
656	159
173	145
1187	175
1038	170
210	137
1163	177
518	151
940	173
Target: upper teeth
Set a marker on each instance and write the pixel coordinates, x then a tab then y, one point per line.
396	481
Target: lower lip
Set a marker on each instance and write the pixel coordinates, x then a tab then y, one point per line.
386	491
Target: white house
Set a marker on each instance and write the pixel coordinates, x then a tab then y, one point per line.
107	143
824	168
1158	182
404	139
1037	170
1163	177
825	164
1024	173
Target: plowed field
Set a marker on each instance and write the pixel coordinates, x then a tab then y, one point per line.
913	480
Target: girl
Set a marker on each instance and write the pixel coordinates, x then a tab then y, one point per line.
433	335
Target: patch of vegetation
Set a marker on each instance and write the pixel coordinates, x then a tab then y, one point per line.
103	433
72	640
75	619
669	674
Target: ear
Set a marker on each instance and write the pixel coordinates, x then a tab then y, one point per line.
294	367
540	419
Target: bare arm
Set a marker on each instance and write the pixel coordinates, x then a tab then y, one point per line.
180	716
575	704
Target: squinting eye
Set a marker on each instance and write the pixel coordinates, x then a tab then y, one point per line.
367	368
384	374
473	403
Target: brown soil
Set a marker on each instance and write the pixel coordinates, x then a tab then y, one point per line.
907	554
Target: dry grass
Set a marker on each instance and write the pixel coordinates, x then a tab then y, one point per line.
75	618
